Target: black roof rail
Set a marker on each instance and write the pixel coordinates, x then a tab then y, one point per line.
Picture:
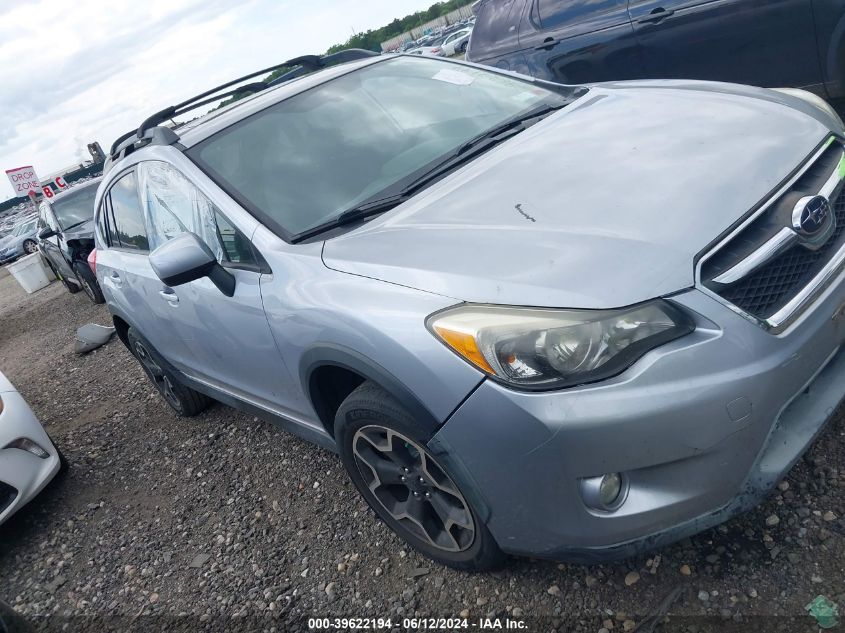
129	142
151	130
310	63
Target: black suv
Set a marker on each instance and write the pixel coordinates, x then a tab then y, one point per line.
66	237
769	43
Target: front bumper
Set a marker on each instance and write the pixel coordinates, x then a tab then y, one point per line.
22	472
702	429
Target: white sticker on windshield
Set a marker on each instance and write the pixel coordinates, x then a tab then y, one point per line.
454	77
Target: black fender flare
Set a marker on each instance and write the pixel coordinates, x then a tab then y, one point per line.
329	354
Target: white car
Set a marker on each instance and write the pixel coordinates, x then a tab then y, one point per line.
456	42
28	459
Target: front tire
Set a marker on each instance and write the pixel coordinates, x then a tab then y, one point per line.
184	401
30	247
406	486
89	282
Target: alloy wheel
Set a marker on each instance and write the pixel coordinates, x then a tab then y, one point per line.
86	287
413	489
157	375
30	247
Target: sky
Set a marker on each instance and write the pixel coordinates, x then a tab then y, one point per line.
90	70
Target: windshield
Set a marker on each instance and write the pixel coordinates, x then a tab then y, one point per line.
303	161
75	207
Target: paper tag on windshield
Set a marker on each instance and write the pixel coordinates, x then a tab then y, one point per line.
524	96
454	77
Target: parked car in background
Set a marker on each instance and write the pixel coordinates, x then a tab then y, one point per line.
561	321
28	459
21	241
431	48
456	43
66	237
793	43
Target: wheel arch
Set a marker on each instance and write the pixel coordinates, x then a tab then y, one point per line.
121	327
329	373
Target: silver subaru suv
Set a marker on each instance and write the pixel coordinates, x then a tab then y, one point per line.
574	322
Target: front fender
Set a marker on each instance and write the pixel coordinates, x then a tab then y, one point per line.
331	355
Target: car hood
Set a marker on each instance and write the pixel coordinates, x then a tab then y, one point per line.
603	204
84	231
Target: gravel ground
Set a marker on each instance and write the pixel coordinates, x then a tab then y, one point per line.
223	522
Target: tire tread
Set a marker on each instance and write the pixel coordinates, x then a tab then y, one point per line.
378	406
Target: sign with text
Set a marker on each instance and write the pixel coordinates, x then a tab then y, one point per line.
24	180
58	183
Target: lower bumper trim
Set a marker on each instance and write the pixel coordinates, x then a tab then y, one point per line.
800	422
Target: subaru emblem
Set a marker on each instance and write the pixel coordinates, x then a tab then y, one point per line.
813	220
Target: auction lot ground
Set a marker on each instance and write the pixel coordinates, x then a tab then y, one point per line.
234	525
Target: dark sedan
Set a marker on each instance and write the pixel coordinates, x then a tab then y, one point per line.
66	238
769	43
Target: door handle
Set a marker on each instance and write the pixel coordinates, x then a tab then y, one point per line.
548	44
115	278
169	296
656	15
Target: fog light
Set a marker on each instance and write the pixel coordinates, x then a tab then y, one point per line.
605	492
26	444
609	488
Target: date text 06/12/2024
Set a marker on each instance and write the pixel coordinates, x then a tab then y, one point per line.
436	624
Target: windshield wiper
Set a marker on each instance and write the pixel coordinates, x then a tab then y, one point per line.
360	212
466	150
481	143
515	124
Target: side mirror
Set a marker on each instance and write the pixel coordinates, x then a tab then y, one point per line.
187	258
46	233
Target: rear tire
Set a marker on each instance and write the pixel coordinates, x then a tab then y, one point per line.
184	401
406	486
89	282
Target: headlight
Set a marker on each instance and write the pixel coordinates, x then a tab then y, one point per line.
539	348
815	100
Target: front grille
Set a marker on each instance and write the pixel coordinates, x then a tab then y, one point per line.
771	286
7	495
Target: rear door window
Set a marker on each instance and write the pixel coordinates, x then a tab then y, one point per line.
127	228
496	27
553	14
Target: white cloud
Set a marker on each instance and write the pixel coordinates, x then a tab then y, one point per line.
91	70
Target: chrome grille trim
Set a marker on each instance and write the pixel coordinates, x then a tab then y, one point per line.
785	238
786	315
